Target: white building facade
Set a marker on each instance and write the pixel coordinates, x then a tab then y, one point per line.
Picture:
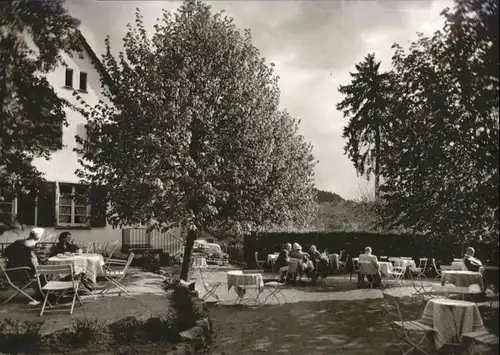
53	208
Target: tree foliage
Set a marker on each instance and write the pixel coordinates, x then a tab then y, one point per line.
192	135
365	104
34	33
439	159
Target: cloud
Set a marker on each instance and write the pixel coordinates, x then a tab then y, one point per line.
314	45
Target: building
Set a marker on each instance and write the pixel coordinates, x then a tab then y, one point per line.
54	209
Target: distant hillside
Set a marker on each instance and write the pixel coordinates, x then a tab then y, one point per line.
327	196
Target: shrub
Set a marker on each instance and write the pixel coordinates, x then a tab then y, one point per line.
17	337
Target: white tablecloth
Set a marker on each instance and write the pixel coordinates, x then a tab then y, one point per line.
240	281
404	263
272	258
458	265
462	278
198	262
91	265
450	319
385	268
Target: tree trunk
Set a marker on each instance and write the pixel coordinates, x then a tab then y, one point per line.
377	163
186	261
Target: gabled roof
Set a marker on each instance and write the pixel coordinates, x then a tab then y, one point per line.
95	59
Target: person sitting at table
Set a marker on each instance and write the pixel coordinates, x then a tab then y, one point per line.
472	263
283	258
21	253
305	265
320	261
65	245
368	257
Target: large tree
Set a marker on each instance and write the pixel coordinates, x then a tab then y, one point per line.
192	135
440	161
365	105
33	35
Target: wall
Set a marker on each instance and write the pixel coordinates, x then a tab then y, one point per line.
64	162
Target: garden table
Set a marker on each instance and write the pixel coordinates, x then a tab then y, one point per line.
462	278
385	268
450	319
242	283
404	263
458	265
90	265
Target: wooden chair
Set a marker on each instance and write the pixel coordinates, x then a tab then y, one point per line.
260	263
293	269
369	269
114	276
419	272
355	268
472	340
210	288
404	330
397	274
17	286
277	286
56	286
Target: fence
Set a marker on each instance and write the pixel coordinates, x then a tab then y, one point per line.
142	239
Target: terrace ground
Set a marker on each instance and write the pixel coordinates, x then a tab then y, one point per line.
331	317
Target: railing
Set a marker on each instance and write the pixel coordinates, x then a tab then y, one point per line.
39	246
142	239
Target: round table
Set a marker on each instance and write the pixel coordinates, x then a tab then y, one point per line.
271	258
450	319
385	268
462	278
243	282
88	264
404	263
458	265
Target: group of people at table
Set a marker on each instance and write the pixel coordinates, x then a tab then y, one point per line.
22	253
309	263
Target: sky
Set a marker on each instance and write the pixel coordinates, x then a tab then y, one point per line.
313	44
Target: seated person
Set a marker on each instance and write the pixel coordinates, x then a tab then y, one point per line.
305	264
368	257
65	245
21	253
320	261
282	259
472	263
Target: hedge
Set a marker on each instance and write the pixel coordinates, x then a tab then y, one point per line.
354	243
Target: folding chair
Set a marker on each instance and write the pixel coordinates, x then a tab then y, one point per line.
114	277
18	287
369	269
343	263
355	267
260	263
420	270
405	329
210	288
397	274
473	340
277	286
57	286
293	268
112	246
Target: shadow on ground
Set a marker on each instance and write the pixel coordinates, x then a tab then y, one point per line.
327	327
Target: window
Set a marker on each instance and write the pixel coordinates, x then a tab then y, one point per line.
68	82
73	209
83	81
57	143
7	203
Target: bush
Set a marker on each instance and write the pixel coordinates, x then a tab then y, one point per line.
20	337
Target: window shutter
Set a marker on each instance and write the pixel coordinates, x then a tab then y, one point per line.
98	206
47	205
26	205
